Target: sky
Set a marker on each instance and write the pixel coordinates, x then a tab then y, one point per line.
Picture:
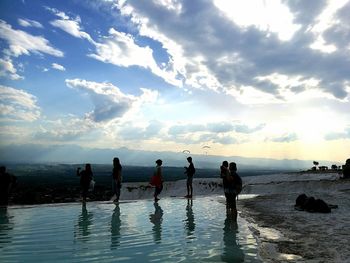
247	78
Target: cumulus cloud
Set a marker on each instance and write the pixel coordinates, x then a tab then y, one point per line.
29	23
22	43
209	50
58	67
17	105
8	70
109	101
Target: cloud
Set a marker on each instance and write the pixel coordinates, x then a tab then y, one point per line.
214	127
8	70
119	48
131	132
70	26
22	43
17	105
338	135
29	23
209	50
66	129
109	101
285	138
58	67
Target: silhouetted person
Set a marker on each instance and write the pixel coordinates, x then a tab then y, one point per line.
85	179
116	178
190	225
7	182
157	219
157	180
115	227
84	222
233	188
224	174
232	251
346	169
189	171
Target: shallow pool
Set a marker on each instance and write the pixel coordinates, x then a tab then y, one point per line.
174	230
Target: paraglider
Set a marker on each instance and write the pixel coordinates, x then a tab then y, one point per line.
206	147
186	151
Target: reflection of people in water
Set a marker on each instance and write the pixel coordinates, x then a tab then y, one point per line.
232	251
7	182
6	225
115	228
84	223
156	219
189	221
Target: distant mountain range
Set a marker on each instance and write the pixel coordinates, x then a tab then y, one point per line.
70	154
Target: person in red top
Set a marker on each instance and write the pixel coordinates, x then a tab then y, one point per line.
85	179
117	178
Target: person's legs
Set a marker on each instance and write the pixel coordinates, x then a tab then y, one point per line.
117	192
189	187
233	206
85	190
157	191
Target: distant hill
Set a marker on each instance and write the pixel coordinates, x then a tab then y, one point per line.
73	154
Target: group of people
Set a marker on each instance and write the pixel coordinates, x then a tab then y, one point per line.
232	182
157	180
86	179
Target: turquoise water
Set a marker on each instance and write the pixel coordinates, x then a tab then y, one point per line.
174	230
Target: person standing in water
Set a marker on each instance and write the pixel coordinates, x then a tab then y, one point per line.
233	189
85	179
116	179
189	171
226	181
158	179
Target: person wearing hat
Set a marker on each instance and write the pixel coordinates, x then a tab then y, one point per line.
158	180
189	171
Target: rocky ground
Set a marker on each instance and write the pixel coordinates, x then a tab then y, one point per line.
288	235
